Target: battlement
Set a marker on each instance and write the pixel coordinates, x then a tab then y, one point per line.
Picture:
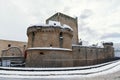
50	28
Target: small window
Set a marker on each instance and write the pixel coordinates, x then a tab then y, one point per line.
91	50
9	45
61	39
50	45
13	54
41	53
79	50
24	46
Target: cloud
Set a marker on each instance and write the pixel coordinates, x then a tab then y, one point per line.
111	35
115	25
86	13
96	17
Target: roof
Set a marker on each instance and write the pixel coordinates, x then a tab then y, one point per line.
52	24
61	14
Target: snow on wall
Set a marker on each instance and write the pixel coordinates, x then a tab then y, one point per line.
66	26
55	24
49	48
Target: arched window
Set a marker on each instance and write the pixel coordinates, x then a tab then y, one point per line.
61	39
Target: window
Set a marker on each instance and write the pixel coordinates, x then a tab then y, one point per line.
79	50
24	46
50	45
41	53
9	45
61	39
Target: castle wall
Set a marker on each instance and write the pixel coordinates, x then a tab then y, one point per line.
49	58
109	53
5	44
79	56
45	39
84	56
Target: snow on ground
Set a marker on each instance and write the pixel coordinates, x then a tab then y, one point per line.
77	72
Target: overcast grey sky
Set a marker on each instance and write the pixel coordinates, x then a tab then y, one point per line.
99	20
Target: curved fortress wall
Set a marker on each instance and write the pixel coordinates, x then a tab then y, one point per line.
49	36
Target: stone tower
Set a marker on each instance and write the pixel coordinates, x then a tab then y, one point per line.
108	47
49	46
65	19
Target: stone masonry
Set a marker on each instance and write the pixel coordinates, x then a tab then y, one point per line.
54	45
64	19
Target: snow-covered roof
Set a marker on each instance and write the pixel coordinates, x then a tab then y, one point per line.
74	45
39	24
67	27
49	48
54	24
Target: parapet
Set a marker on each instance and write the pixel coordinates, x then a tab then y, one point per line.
50	28
108	44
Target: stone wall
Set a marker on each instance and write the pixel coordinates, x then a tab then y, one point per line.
49	37
64	19
83	55
79	56
5	44
49	58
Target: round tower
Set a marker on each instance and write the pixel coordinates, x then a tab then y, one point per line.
49	36
49	46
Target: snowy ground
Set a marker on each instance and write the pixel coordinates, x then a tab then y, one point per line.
106	71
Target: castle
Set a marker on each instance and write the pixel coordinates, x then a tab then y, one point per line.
55	44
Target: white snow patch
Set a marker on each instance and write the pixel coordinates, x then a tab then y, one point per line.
66	26
49	48
87	46
39	24
54	23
